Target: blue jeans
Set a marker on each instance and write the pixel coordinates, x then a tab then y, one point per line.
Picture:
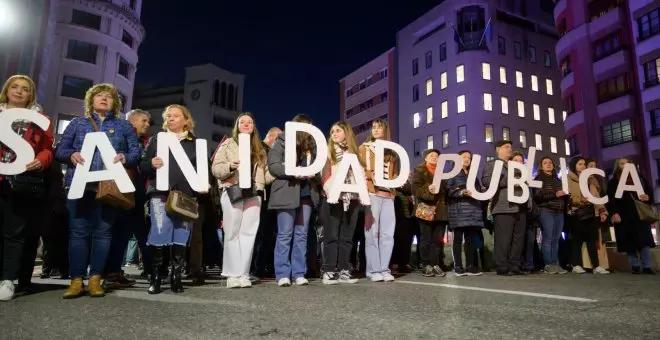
166	230
379	235
131	251
89	218
644	254
552	224
292	224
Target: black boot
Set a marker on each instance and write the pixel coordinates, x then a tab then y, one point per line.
155	279
178	264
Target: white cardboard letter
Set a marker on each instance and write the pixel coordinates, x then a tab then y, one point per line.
513	181
245	161
198	180
531	155
563	170
22	149
440	169
113	171
338	185
629	170
291	167
404	165
494	181
584	185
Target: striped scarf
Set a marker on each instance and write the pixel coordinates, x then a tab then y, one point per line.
370	148
346	197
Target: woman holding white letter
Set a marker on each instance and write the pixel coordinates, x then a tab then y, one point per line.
240	207
379	225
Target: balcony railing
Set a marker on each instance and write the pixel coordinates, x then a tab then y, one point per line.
618	141
651	82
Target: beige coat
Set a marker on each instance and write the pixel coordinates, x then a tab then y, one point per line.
576	194
228	152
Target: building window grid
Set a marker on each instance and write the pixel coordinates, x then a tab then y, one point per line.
534	80
538	141
488	102
553	144
416	148
428	60
416	120
505	105
462	134
547	59
655	122
86	19
445	139
444	109
649	24
506	134
460	104
652	73
519	79
517	50
551	115
82	51
429	142
443	52
488	133
521	109
532	54
485	71
429	115
537	111
501	45
618	133
429	87
443	80
502	74
415	66
548	87
415	93
460	73
613	88
522	137
607	46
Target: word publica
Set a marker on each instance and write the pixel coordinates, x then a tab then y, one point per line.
198	177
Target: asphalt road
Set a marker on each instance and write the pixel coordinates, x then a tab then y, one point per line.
618	306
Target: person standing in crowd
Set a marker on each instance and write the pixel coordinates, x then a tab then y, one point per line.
403	232
240	207
584	218
465	217
293	198
131	221
341	217
529	240
633	236
89	217
551	202
20	194
380	221
168	229
510	218
431	213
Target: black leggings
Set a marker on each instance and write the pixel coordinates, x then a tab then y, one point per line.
468	234
584	232
432	234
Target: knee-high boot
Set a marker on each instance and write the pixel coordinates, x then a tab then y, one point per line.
155	279
178	263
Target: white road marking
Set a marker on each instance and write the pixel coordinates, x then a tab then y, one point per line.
501	291
172	298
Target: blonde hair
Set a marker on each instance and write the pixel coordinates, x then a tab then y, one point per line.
258	156
98	88
351	146
190	123
618	165
384	125
5	88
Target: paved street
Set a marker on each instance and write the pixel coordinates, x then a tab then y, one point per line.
532	307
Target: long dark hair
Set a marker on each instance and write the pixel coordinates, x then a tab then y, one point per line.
304	141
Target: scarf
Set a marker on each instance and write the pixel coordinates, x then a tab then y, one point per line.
370	148
430	168
346	197
181	136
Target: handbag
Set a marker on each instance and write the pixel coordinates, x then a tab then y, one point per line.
585	213
425	211
645	212
28	183
182	206
108	192
237	194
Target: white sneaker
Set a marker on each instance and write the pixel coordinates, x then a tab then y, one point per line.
387	277
233	282
376	277
6	290
601	270
245	282
346	277
578	270
330	278
284	282
301	281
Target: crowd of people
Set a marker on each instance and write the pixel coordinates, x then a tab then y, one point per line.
284	226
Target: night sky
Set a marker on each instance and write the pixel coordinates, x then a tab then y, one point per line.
293	53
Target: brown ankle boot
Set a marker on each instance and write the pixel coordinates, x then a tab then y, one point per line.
76	289
94	288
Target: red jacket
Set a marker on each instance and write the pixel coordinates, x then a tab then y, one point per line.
40	140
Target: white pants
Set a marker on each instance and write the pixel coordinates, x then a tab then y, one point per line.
240	223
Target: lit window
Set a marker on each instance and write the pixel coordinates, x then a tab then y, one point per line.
429	115
416	120
429	142
539	141
505	133
429	87
567	146
444	108
523	139
537	112
519	79
553	144
505	105
535	84
488	102
443	80
460	103
502	74
460	73
485	71
521	108
445	139
548	87
563	116
551	115
61	125
488	131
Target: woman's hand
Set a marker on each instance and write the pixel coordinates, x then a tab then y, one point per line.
120	158
603	218
432	188
76	159
234	165
560	193
644	198
616	218
34	165
157	162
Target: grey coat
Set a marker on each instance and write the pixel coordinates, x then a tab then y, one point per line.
285	190
500	202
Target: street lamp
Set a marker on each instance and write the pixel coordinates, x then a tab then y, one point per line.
7	16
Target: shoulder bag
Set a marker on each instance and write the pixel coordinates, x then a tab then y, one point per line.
237	194
585	213
425	211
182	206
645	212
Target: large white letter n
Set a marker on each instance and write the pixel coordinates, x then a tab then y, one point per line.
198	180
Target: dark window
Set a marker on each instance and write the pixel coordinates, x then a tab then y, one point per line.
415	93
655	122
124	68
80	50
416	150
127	39
532	54
649	24
462	134
75	87
652	73
547	59
230	97
122	98
429	59
607	46
223	95
573	146
566	66
443	52
470	27
383	97
415	66
216	92
570	104
86	19
501	45
613	88
599	8
517	50
618	133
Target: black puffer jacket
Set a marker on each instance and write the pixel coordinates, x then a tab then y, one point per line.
546	196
